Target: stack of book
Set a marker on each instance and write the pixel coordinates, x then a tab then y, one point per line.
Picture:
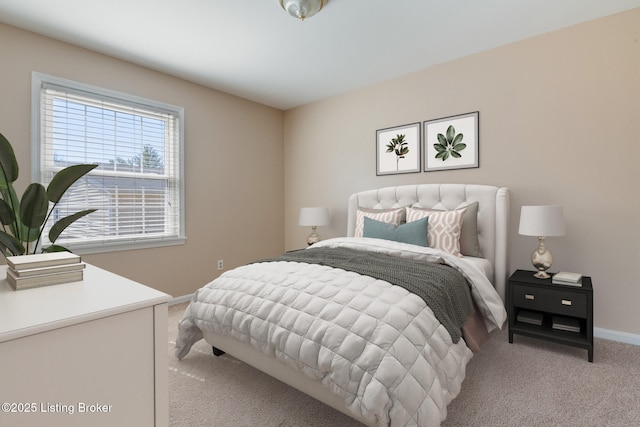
566	278
562	323
530	317
30	271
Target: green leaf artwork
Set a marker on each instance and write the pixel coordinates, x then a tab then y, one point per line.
399	146
449	145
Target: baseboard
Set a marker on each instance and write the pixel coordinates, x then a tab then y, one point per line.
178	300
624	337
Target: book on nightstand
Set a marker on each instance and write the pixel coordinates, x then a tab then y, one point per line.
566	278
530	317
562	323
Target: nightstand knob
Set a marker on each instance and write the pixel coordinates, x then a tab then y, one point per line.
529	296
566	302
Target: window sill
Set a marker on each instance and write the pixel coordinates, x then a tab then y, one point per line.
123	246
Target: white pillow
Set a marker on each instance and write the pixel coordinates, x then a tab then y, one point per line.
390	216
443	230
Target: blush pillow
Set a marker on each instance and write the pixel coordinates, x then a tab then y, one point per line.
390	216
444	228
414	232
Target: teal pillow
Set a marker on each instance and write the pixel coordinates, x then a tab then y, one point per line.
414	232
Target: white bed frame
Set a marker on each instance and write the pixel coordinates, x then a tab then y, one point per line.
493	216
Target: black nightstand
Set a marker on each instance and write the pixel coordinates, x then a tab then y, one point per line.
535	305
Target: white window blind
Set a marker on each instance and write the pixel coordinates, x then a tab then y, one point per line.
137	187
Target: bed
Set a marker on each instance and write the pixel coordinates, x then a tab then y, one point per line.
350	321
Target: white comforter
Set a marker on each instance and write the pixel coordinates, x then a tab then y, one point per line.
377	345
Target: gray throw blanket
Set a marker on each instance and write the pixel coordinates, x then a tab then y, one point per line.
443	288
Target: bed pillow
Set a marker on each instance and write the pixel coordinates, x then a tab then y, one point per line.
414	233
444	228
390	216
469	244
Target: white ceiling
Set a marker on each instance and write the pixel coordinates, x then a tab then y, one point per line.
255	50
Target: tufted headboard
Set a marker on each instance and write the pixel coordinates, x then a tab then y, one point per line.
493	213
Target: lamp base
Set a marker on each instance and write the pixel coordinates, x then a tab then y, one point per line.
314	237
541	275
541	259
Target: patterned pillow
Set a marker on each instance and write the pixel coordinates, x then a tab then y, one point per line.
444	228
469	243
390	216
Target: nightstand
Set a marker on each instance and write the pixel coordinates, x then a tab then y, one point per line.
560	313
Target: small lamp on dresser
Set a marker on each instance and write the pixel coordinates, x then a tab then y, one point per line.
313	217
541	221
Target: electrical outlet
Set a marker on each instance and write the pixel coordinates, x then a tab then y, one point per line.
220	264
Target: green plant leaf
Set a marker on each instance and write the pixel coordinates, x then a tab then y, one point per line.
29	234
439	147
456	154
10	244
65	179
33	211
460	147
63	223
25	217
6	213
458	138
451	131
55	248
8	163
9	195
442	140
34	206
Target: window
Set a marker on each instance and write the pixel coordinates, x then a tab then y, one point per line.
137	143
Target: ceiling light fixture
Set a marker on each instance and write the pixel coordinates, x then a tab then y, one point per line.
302	9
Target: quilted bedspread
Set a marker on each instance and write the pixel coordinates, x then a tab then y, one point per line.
375	344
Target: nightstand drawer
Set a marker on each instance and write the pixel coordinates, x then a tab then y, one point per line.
550	300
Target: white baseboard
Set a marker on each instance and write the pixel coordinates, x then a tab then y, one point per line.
606	334
178	300
624	337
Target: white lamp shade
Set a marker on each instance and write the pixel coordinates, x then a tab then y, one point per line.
542	221
313	216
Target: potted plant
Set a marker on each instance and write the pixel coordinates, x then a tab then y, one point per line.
22	220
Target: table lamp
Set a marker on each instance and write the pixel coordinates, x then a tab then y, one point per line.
313	217
541	221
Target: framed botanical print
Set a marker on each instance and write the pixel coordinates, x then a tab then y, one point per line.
398	149
451	142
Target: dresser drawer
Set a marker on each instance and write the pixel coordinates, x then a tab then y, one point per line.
550	300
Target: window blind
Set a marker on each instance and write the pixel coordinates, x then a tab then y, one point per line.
137	185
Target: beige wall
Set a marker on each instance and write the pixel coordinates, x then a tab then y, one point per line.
559	124
233	160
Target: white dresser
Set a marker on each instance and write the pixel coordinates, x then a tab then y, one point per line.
90	353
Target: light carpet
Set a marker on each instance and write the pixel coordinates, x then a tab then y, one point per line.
527	383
